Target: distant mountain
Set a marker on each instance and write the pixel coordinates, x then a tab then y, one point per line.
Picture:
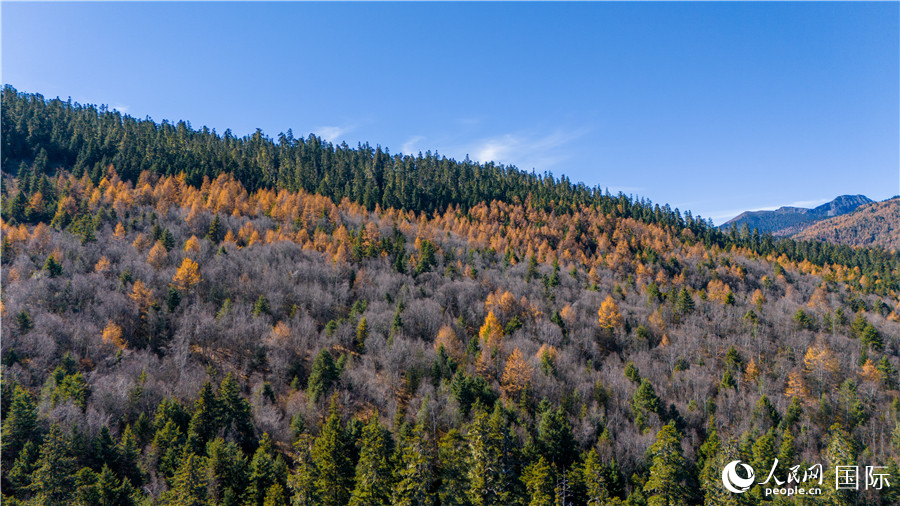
786	220
875	224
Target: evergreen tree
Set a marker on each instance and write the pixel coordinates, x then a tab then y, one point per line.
262	472
374	471
684	304
490	470
53	479
334	471
216	230
189	487
53	267
538	480
453	455
362	333
667	485
19	425
227	472
596	479
204	423
555	438
323	375
415	474
234	414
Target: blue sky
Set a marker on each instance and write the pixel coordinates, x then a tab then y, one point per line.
712	107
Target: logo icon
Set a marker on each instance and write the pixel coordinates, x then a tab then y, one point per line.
733	482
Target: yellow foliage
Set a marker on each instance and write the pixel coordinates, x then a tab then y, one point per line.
158	255
610	317
102	265
141	295
758	298
796	387
491	332
752	371
141	242
112	334
818	298
446	337
516	376
820	358
548	350
280	332
188	275
120	231
717	291
192	245
869	372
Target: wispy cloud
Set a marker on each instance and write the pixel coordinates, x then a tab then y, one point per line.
121	108
526	150
332	133
409	147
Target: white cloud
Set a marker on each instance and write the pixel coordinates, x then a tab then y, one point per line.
526	150
409	147
331	133
121	108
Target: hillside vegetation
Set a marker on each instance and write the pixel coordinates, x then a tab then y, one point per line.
875	224
187	321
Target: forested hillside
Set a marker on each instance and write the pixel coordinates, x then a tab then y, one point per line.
199	319
875	224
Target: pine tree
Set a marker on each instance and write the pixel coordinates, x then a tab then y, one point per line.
53	267
53	479
684	304
205	421
362	333
19	424
538	480
334	471
262	472
555	438
415	474
215	232
595	477
262	306
235	414
189	486
490	472
453	456
227	471
374	471
322	376
667	485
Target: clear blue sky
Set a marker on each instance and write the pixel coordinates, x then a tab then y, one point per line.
711	107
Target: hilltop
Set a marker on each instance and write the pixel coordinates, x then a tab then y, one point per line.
874	224
787	221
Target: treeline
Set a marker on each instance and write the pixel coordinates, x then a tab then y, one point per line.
41	136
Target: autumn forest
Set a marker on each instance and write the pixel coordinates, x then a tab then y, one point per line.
192	318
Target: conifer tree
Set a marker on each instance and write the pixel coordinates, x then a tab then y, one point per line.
538	480
262	473
453	454
322	376
374	471
334	473
415	473
53	480
667	485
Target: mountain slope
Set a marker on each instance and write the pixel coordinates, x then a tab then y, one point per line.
790	220
875	224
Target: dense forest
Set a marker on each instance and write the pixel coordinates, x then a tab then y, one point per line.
191	318
875	224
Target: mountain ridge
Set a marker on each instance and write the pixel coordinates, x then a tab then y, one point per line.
789	220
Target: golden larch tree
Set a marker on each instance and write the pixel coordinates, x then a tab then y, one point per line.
610	317
491	333
112	334
192	245
158	255
188	275
516	376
